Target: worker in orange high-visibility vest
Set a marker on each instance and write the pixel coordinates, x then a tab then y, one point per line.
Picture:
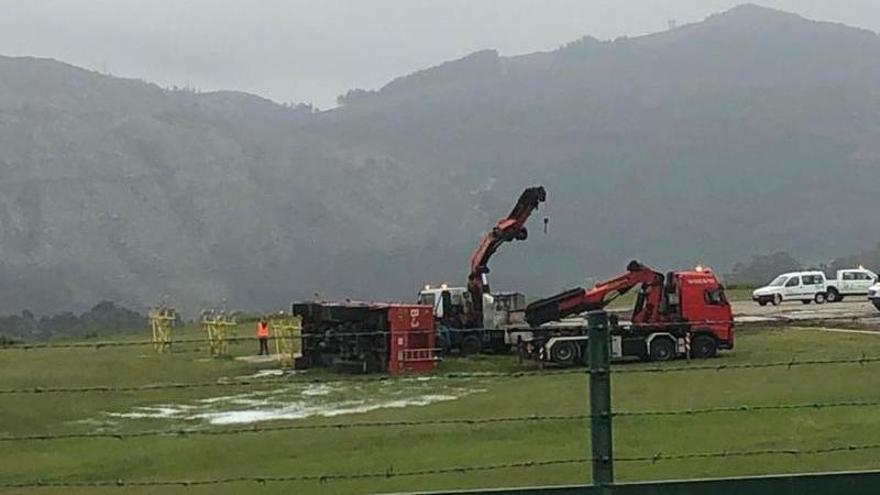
263	336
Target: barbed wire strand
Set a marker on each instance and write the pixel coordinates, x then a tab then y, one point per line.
187	432
792	363
392	473
763	321
321	478
451	376
660	456
748	408
285	381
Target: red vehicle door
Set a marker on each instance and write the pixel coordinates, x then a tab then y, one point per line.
704	305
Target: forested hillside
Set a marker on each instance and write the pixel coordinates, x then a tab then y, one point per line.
751	132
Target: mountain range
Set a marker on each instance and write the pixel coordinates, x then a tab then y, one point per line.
750	132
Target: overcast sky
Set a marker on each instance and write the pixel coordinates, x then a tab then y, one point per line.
313	50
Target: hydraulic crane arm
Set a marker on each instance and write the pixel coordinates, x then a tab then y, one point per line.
575	301
507	229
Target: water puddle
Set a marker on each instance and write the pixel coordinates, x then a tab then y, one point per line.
300	401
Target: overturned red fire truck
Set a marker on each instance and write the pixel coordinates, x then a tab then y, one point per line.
367	337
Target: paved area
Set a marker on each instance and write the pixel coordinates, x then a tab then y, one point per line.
260	359
853	312
847	307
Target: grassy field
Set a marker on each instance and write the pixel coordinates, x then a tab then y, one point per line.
424	447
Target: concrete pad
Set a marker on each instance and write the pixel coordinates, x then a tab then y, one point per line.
271	358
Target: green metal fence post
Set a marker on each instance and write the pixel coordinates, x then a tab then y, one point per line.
600	398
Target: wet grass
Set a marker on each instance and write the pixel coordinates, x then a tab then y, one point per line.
425	447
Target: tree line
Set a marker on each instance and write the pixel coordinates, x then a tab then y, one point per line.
104	318
763	268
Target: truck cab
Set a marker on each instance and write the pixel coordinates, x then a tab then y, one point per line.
807	287
694	299
704	304
453	305
850	282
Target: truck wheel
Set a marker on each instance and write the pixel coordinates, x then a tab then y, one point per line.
777	299
564	353
662	349
471	345
371	363
762	302
833	296
703	347
806	301
820	298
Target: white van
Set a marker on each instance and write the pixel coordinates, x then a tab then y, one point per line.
806	287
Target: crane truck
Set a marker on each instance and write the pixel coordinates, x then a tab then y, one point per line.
398	338
472	318
679	314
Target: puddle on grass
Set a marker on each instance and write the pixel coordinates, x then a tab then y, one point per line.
300	401
271	373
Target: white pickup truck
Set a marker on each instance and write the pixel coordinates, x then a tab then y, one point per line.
852	282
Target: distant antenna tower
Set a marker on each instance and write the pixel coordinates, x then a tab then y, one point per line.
672	23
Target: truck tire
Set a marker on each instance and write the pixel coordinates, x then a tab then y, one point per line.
820	298
471	345
371	363
806	301
777	299
762	302
833	296
662	349
704	347
564	353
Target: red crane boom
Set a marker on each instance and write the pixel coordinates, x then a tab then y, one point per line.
507	229
576	301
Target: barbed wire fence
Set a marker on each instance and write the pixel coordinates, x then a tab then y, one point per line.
602	458
294	379
757	322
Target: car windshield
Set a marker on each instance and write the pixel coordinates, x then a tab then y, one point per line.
426	299
778	281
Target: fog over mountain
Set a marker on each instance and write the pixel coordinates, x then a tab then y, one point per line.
751	132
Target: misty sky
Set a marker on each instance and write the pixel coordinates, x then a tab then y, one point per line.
313	50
